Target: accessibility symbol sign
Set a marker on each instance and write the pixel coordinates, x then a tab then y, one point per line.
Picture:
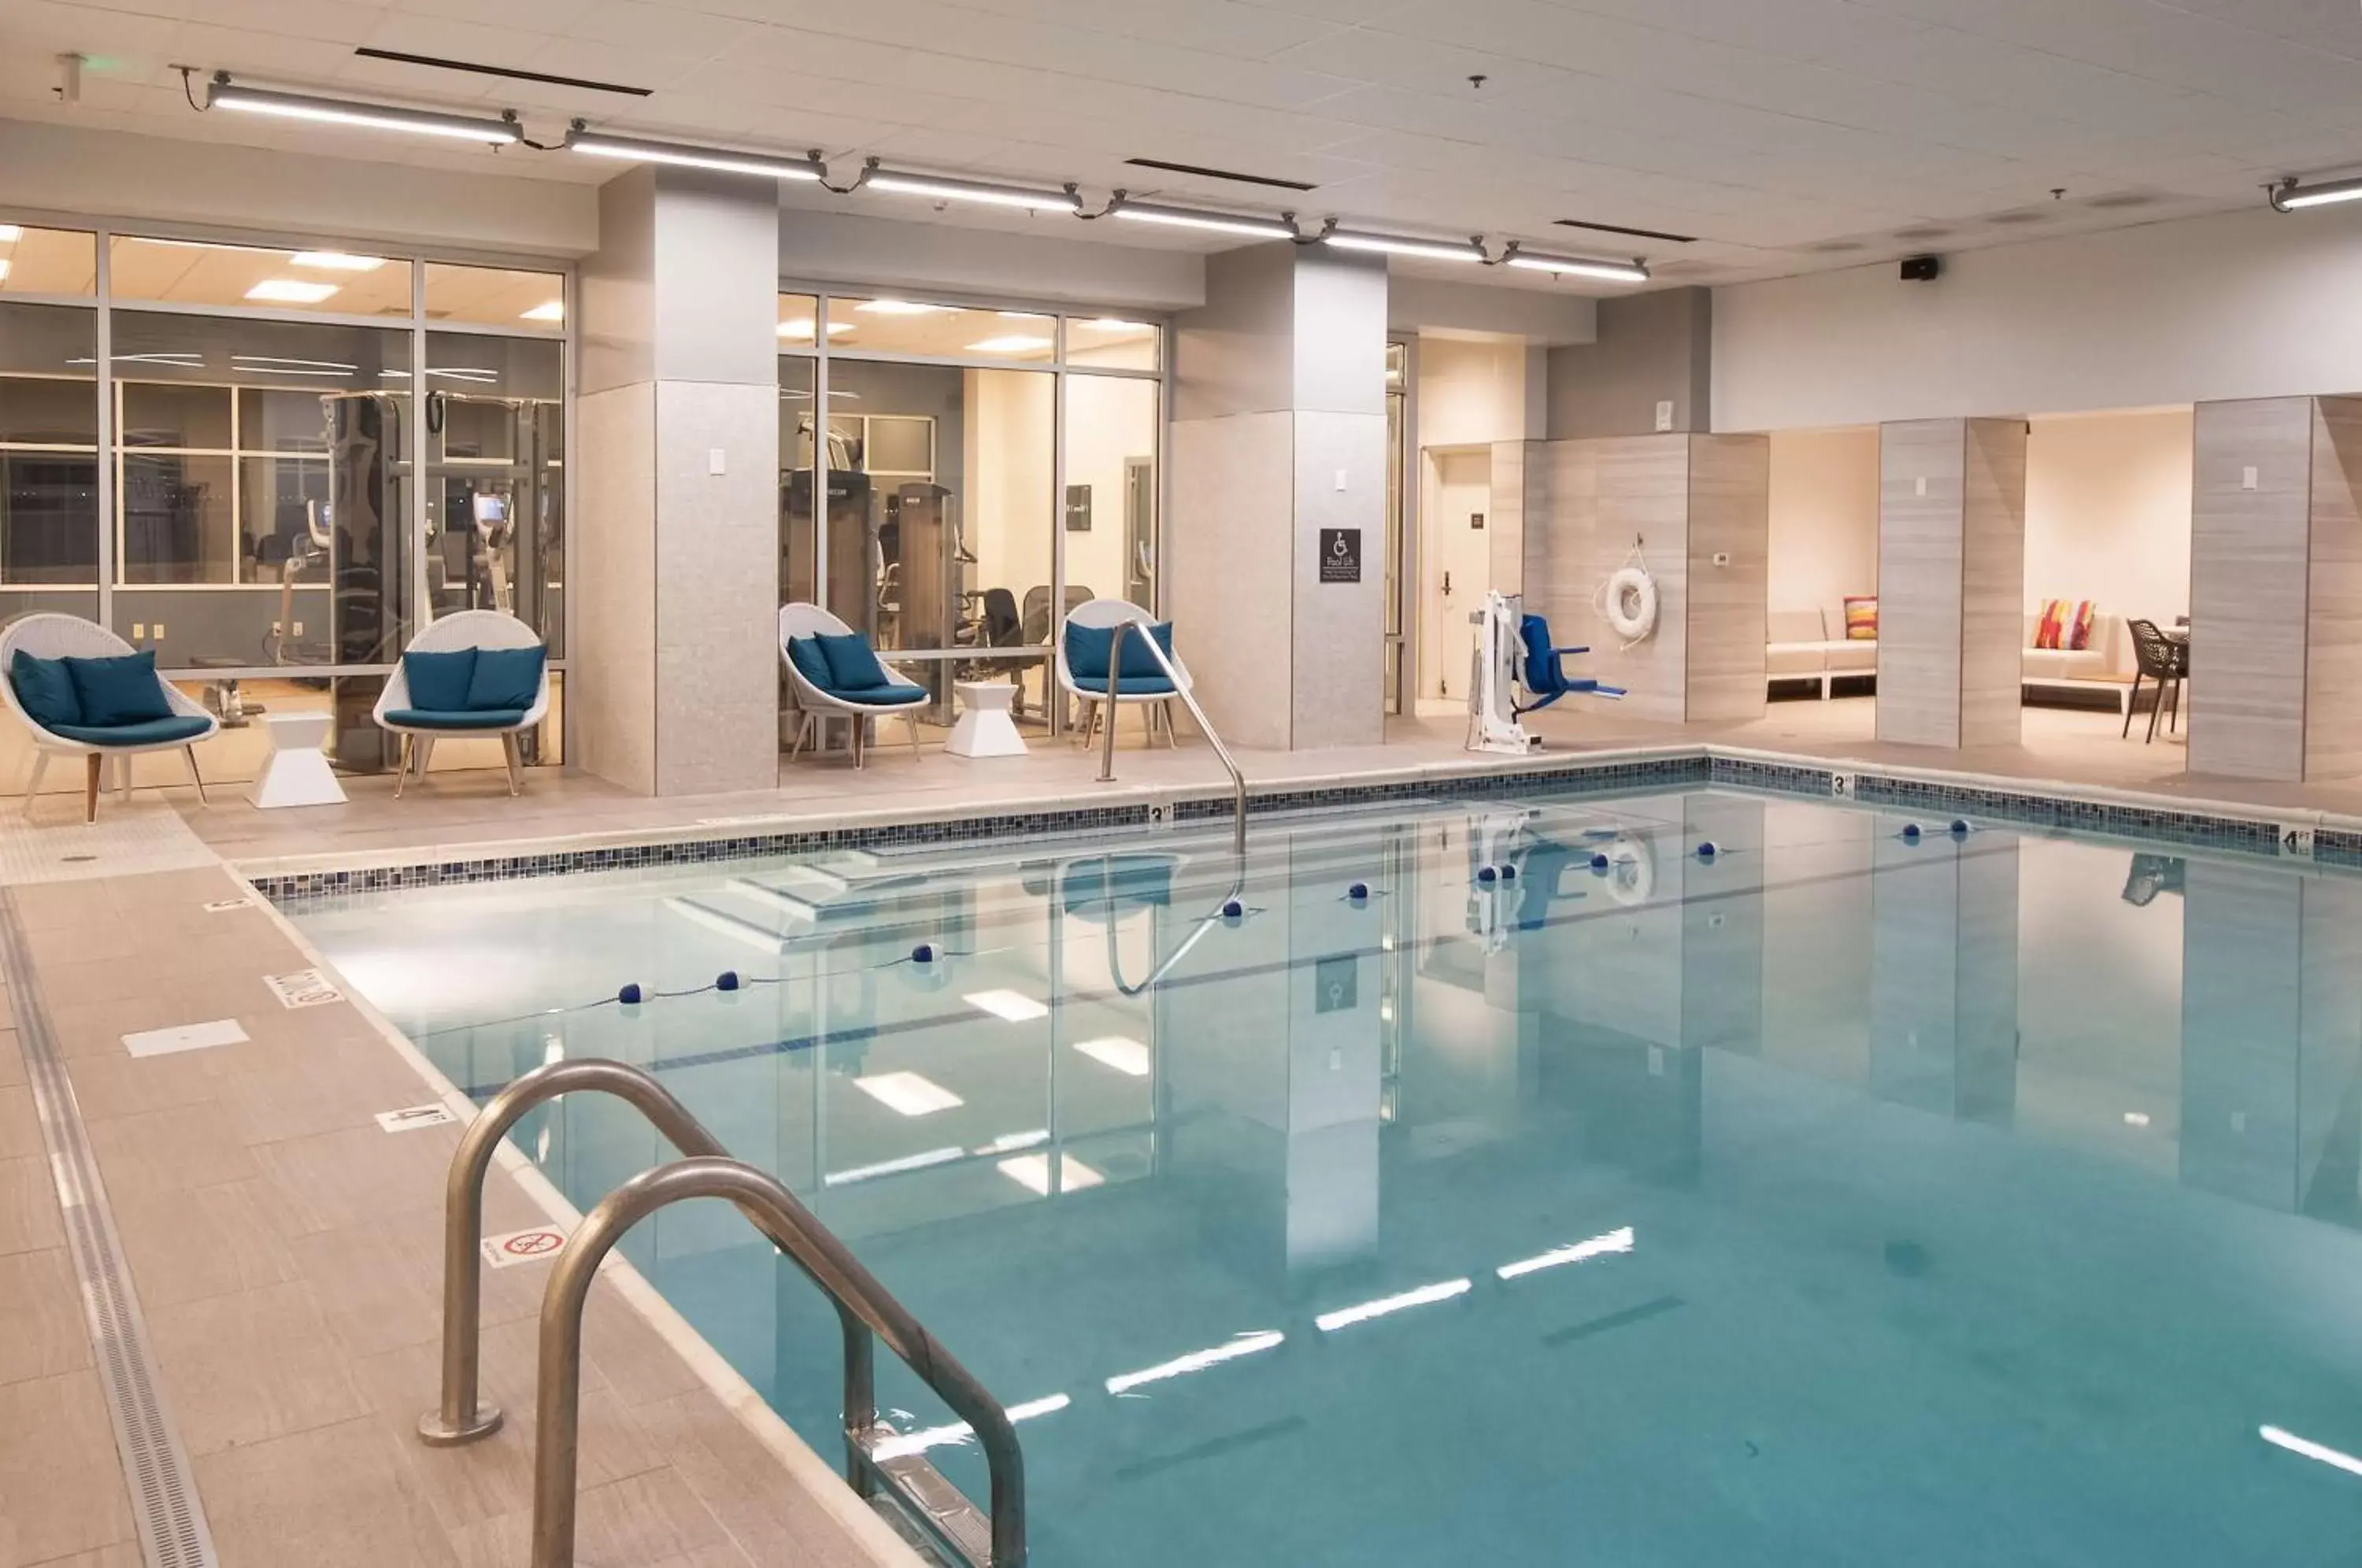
1340	554
522	1246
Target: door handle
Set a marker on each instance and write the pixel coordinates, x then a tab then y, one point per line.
1447	585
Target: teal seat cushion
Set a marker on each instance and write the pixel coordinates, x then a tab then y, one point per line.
852	664
119	691
169	730
438	682
1087	647
44	689
456	718
505	679
810	662
892	695
1131	686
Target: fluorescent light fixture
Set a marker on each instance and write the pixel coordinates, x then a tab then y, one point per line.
909	1094
10	234
944	188
482	378
904	1444
1216	223
633	149
304	364
341	112
2292	196
1198	1361
806	329
893	1167
898	307
2311	1450
335	261
554	311
1618	1241
178	359
1015	1007
4	269
1011	343
1031	1172
1126	1056
1579	267
291	291
1425	1296
1390	245
1114	327
265	364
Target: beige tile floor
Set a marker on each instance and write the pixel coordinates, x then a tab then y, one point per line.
285	1250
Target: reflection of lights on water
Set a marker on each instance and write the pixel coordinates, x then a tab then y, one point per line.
2135	1118
908	1094
1425	1296
1125	1055
1198	1361
552	1049
1009	1142
1032	1172
907	1443
2311	1450
1618	1241
1015	1007
893	1167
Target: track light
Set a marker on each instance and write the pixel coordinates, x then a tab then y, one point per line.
1577	266
2289	195
222	95
943	188
1389	245
597	144
1219	222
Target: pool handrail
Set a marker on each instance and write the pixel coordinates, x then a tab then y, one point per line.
1188	699
866	1311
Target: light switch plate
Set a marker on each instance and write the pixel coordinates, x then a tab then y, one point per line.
1664	414
717	461
1919	485
1340	479
2247	477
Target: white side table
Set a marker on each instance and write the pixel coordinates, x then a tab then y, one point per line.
294	772
984	728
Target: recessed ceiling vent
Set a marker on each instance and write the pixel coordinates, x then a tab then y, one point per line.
1619	228
508	74
1205	173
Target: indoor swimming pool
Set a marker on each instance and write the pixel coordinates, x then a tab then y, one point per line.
1865	1192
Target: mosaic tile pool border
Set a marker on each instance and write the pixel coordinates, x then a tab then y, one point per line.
1815	780
308	887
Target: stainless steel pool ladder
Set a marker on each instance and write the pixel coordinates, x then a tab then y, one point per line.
1188	698
866	1311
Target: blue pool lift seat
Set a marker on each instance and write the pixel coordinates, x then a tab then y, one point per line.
477	672
833	672
1543	677
111	709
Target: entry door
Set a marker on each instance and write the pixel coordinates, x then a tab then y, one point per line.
1455	568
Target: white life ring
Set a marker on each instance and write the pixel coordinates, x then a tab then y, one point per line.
1631	871
1631	607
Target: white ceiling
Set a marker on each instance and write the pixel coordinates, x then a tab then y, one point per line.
1788	133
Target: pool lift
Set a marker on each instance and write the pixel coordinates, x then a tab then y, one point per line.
1514	660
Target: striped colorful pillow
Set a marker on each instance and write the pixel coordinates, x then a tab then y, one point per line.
1861	618
2066	625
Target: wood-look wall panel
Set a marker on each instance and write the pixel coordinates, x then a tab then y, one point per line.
1992	581
1641	499
1505	527
2333	704
1921	470
2249	551
1729	515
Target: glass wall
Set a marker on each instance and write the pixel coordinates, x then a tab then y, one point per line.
981	467
274	464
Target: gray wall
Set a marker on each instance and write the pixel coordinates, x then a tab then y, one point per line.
1651	348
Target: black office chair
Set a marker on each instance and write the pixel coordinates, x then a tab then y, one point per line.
2163	661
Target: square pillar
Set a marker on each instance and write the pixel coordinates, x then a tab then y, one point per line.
677	554
1279	442
2276	589
1951	580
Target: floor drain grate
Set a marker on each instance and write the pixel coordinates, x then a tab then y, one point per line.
171	1518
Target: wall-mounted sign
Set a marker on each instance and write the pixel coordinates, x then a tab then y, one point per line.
1078	508
1476	520
1340	554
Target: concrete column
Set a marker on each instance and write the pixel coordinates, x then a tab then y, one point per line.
1943	975
675	535
1279	434
2276	589
1951	580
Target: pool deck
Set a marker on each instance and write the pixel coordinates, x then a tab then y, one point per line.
285	1250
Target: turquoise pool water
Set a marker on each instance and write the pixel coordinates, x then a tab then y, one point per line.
1844	1198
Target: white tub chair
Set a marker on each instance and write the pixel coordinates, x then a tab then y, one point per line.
49	635
1100	614
814	702
419	730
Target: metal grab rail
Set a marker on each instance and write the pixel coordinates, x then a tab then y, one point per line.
864	1308
793	1229
1181	690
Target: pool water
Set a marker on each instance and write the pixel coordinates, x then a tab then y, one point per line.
1848	1196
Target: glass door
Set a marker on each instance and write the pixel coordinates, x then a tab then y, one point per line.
1397	535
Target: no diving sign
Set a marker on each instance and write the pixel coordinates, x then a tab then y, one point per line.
522	1246
1340	554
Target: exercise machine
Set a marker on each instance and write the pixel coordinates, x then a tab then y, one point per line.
1514	660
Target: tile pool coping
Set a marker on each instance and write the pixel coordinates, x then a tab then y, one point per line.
2300	836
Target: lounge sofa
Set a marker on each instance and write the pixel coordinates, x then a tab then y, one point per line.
2104	665
1798	647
